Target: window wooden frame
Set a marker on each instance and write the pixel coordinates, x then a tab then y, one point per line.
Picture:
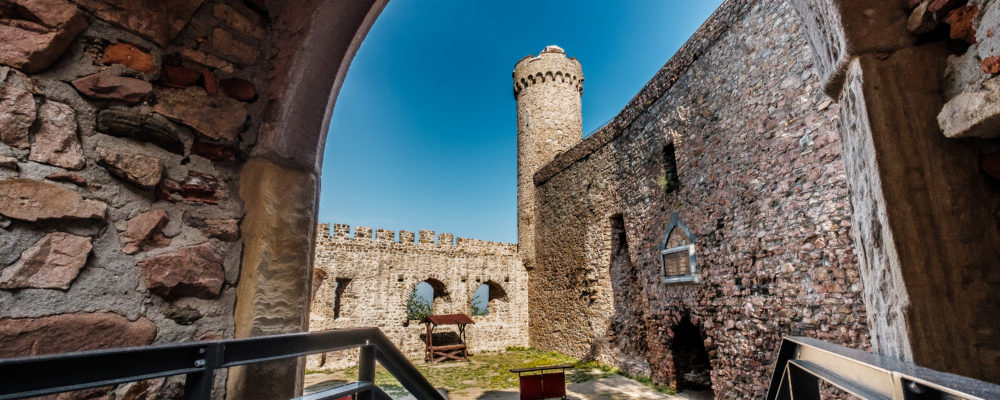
692	275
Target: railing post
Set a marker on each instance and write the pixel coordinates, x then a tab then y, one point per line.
366	370
198	385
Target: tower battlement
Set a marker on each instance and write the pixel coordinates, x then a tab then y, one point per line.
551	65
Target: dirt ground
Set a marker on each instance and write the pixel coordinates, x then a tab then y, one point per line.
614	387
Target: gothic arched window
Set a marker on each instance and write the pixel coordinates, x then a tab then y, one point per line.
677	253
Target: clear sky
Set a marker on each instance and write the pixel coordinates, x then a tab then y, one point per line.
423	135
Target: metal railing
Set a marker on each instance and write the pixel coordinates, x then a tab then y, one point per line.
57	373
802	362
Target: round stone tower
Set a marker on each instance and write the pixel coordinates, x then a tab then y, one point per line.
547	88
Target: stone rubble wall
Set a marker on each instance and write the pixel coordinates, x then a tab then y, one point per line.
971	84
123	129
383	272
762	187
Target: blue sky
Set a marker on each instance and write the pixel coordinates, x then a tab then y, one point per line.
423	135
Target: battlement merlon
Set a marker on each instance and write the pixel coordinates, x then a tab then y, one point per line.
426	237
549	65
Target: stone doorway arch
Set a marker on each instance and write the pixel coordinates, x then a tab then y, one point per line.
926	253
280	181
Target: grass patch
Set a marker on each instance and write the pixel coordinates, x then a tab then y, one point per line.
490	371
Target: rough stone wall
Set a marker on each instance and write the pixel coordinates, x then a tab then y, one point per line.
360	282
762	186
123	129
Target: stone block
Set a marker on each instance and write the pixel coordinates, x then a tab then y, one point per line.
973	113
239	89
232	48
218	118
17	108
30	200
176	76
129	56
426	236
56	142
65	333
139	169
145	232
962	21
341	231
51	263
274	283
141	126
68	177
385	235
34	33
105	85
191	271
158	21
244	22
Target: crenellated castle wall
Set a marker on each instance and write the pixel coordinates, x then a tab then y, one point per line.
365	280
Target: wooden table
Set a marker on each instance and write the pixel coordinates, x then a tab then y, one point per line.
458	352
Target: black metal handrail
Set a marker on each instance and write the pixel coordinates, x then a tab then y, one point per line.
57	373
802	362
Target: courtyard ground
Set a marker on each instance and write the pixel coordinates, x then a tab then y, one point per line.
487	376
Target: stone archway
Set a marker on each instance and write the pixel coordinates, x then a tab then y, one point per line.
926	249
281	179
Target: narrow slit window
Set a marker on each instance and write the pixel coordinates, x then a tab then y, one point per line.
669	180
677	253
341	287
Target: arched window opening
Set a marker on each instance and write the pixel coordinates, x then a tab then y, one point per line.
489	298
677	253
426	296
319	276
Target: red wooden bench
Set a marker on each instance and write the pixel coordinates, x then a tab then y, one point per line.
543	385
